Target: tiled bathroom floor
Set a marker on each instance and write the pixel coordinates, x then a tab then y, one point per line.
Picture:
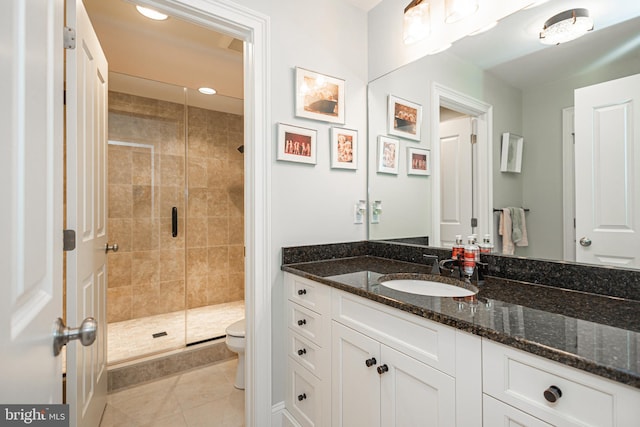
131	339
203	397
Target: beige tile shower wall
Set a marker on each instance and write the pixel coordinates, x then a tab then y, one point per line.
215	226
153	272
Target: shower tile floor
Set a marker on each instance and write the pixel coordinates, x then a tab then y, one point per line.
132	339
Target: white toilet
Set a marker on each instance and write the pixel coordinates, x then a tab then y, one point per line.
235	342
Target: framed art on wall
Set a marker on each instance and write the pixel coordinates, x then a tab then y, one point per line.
388	153
319	97
344	148
404	118
296	144
418	161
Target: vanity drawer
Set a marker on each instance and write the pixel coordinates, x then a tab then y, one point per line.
520	380
496	413
313	295
308	324
427	341
304	395
307	354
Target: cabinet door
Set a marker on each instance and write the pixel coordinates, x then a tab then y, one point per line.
415	394
355	399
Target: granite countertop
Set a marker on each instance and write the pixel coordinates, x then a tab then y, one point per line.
594	333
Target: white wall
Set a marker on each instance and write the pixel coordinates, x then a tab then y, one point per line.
312	204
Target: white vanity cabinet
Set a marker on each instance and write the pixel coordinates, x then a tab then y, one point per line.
308	340
392	368
528	390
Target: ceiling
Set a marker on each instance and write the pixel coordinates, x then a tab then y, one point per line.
191	56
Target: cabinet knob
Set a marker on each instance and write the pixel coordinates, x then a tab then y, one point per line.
302	291
302	351
382	369
302	397
552	394
370	362
302	322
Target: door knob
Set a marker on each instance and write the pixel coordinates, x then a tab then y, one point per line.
585	241
62	334
109	247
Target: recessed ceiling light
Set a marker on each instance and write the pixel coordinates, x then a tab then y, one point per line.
151	14
207	91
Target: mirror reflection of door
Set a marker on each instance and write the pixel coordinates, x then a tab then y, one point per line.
456	176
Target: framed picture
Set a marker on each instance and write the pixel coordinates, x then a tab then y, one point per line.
511	159
388	154
319	97
418	161
404	118
344	148
296	144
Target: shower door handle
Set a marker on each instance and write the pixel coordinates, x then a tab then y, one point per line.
174	221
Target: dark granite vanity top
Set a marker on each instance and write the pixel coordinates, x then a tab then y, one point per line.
595	333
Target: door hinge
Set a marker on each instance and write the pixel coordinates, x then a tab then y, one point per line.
69	240
474	138
474	222
69	38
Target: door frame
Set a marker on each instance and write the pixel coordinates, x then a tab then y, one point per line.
568	184
254	29
483	112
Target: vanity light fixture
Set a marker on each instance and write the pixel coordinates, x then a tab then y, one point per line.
566	26
207	91
457	10
152	14
417	21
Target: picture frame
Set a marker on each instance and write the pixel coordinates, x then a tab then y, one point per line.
388	154
344	148
296	144
404	118
511	157
319	97
418	161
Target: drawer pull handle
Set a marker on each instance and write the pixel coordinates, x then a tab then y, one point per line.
370	362
302	397
382	369
302	291
302	351
552	394
302	322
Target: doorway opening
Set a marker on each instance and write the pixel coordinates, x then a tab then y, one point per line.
458	159
176	210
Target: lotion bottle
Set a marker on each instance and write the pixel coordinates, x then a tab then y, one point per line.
471	254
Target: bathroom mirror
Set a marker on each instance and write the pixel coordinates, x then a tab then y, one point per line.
530	95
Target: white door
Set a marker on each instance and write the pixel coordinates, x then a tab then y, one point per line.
415	394
355	383
456	180
86	214
608	173
31	108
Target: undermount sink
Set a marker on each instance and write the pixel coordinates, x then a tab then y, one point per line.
423	284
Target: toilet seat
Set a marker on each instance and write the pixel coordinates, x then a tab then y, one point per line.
236	329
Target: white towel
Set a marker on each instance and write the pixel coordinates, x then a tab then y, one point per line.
505	230
523	228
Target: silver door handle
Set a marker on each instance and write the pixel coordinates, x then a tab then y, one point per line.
62	334
109	247
585	241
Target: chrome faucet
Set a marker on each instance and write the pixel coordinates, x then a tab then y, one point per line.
435	269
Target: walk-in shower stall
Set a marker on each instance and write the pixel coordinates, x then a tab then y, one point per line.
175	182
